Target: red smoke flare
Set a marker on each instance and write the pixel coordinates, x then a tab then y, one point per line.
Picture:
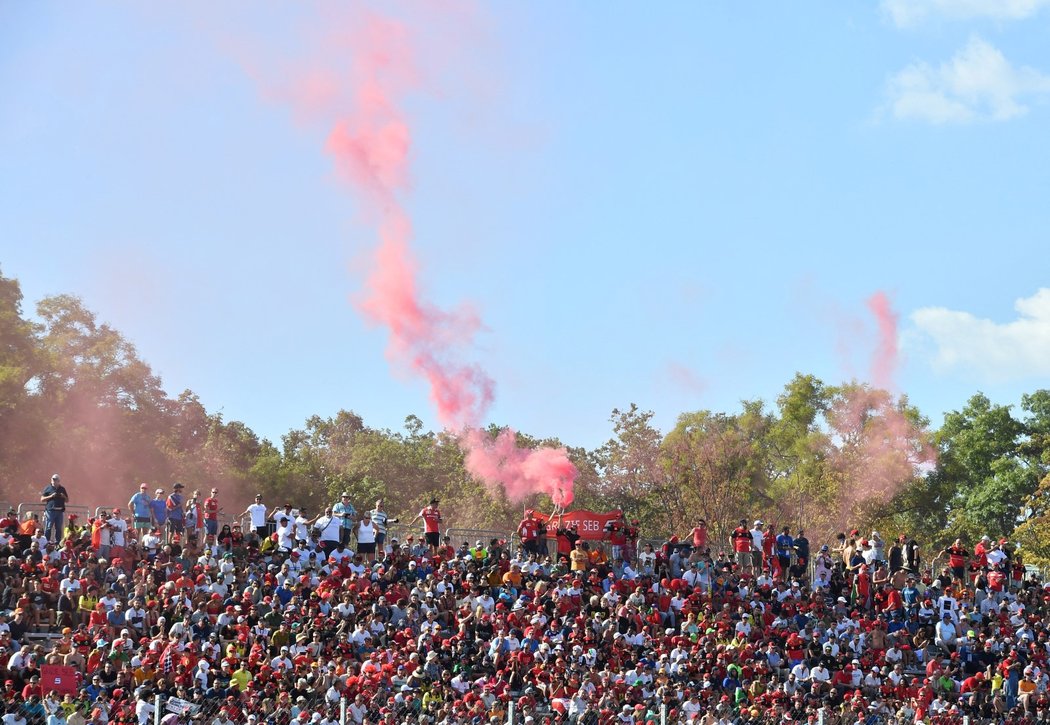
520	471
884	363
878	449
371	145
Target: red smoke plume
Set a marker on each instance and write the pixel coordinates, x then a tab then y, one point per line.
878	448
371	144
884	362
521	471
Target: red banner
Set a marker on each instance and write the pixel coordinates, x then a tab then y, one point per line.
60	678
589	525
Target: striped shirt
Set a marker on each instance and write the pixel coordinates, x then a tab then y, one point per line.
379	519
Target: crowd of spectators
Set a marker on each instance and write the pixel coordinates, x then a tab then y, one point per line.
295	619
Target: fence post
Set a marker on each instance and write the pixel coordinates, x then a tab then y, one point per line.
342	710
510	712
820	716
157	712
663	713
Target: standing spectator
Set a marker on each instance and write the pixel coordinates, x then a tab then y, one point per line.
567	534
285	533
54	497
617	531
801	547
579	557
100	539
257	513
139	505
211	517
528	532
896	555
431	524
330	528
700	536
878	547
302	526
759	537
380	519
911	556
346	513
159	509
194	518
366	536
743	543
957	559
118	529
784	545
176	515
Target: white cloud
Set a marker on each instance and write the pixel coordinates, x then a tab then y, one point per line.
979	83
994	351
909	13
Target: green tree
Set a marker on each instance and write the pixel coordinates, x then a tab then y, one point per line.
631	478
796	446
18	348
713	469
981	460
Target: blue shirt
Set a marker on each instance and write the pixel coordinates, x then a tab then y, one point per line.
784	543
140	505
346	512
116	618
910	595
160	510
175	512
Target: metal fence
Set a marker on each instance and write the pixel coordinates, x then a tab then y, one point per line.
81	512
471	536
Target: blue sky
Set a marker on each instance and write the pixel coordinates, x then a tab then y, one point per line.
678	205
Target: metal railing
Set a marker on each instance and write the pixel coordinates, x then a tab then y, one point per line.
82	512
471	536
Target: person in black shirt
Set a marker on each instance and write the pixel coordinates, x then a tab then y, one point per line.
569	533
18	625
54	498
897	555
801	545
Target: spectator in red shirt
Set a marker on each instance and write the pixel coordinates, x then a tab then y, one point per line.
743	543
957	559
431	524
528	532
211	517
700	535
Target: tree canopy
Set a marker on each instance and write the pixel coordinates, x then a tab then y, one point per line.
76	397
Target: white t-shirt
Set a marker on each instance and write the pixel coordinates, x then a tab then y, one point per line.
258	513
119	526
302	532
285	538
151	542
995	556
330	528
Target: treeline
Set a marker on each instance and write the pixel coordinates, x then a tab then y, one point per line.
76	398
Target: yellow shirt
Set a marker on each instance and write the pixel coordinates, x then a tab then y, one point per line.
580	560
240	679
